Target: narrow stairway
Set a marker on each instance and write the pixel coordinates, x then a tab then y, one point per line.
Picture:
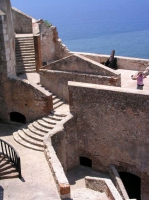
57	102
25	53
31	135
7	169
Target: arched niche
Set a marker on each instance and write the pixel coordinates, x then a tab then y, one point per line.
86	162
132	185
17	117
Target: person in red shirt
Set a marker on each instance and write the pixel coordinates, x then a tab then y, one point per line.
140	78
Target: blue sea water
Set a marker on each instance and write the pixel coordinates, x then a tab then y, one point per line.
96	26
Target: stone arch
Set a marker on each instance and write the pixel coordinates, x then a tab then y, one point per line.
132	184
17	117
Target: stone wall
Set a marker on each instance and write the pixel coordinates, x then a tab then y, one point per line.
127	63
81	64
26	98
57	81
112	128
51	46
22	22
103	185
7	42
61	152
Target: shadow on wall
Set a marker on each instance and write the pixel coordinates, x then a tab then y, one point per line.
132	185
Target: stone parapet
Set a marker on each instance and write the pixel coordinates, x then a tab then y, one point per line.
127	63
55	152
103	185
57	81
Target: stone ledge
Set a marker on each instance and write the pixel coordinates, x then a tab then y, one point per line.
61	181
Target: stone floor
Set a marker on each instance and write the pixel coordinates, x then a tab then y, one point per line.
37	181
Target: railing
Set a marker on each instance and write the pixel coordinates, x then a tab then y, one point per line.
10	153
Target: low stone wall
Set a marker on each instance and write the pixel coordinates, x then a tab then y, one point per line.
56	155
127	63
26	98
57	81
22	22
112	122
80	64
118	182
103	185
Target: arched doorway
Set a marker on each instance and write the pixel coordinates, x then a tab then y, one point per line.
85	162
132	185
17	117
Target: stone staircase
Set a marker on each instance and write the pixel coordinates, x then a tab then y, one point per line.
25	53
7	169
31	135
57	102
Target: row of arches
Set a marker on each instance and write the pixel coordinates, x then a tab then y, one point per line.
131	182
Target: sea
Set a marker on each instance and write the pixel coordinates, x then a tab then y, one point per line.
96	26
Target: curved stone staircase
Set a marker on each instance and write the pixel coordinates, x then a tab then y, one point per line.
7	169
31	135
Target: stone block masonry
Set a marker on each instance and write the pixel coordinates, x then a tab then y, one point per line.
113	123
57	81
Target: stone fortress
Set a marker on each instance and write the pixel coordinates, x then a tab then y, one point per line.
106	124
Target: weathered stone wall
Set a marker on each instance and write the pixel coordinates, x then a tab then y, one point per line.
103	185
57	81
22	22
127	63
61	152
51	46
26	98
7	41
112	128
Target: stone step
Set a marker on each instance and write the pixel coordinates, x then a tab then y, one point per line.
45	124
48	120
24	39
54	96
36	131
18	139
25	53
32	135
25	59
58	104
39	127
56	100
29	139
55	117
30	64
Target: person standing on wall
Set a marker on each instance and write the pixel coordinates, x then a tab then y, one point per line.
140	78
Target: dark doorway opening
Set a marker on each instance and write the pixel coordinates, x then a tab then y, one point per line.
85	162
17	117
132	185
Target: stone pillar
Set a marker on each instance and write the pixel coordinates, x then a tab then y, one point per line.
7	38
